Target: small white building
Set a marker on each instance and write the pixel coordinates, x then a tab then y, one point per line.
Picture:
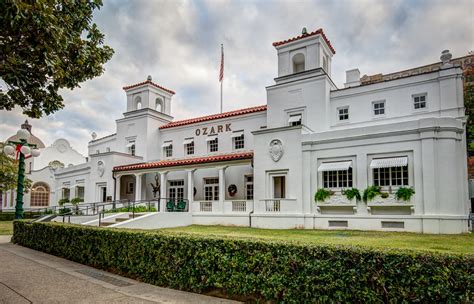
262	166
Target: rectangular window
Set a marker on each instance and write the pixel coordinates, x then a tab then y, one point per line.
379	108
168	150
214	145
343	113
295	120
66	192
239	142
211	189
130	188
189	148
249	187
337	179
176	189
131	147
80	191
279	187
419	101
391	176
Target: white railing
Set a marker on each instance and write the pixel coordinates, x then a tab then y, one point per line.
272	205
205	206
239	206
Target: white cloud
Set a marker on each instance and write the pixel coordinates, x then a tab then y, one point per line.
178	43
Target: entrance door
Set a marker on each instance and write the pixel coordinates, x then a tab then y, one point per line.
279	187
176	189
101	194
211	189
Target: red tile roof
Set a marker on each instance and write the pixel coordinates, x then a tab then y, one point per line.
317	32
214	116
148	82
187	161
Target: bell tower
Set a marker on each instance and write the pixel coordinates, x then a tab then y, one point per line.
148	95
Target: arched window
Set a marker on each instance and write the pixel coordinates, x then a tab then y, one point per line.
159	105
39	195
298	63
138	102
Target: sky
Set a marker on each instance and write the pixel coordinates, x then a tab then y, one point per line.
178	44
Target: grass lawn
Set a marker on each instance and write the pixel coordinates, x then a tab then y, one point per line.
6	227
425	242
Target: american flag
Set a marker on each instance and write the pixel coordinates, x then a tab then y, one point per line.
221	73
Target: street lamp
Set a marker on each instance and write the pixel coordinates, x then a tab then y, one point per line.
24	150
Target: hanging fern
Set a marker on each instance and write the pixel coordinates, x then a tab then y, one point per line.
322	194
370	193
352	193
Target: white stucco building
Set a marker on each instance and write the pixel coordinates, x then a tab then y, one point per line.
262	166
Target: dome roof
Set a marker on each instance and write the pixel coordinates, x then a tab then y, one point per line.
32	140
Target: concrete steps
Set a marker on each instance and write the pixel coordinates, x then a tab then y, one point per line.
120	219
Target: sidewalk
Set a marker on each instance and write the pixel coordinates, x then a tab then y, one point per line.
29	276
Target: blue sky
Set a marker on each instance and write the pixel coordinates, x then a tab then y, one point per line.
178	43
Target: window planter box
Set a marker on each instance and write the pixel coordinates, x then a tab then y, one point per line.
337	200
390	201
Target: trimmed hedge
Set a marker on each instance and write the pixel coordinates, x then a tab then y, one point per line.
259	270
10	216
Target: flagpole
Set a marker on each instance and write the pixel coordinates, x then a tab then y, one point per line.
221	74
221	94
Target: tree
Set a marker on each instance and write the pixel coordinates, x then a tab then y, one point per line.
469	105
9	173
46	45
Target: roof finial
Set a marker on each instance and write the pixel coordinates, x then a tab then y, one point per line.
26	126
148	78
304	31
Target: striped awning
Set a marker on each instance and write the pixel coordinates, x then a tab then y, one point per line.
389	162
167	144
188	141
335	166
237	134
211	137
294	118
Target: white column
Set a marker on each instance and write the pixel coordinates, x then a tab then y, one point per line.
190	188
138	186
221	189
163	194
117	187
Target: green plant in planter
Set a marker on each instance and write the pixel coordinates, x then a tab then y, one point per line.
63	201
352	193
370	193
404	193
77	200
322	194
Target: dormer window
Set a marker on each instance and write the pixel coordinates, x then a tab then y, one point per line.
294	120
298	63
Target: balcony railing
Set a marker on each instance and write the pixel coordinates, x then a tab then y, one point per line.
274	205
228	207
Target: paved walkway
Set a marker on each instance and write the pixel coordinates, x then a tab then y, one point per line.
29	276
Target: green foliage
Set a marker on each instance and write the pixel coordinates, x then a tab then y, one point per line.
76	200
10	216
370	193
130	209
258	270
352	193
63	201
469	106
384	194
9	173
404	193
46	46
63	211
322	194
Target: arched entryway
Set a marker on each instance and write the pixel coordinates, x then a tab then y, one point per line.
39	195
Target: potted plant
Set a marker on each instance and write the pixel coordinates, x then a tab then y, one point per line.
404	194
371	192
352	193
322	194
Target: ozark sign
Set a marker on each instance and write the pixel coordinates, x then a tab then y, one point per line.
213	130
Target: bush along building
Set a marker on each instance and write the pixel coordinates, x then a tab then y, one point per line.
386	152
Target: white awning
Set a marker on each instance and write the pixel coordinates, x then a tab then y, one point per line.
335	166
188	141
237	134
389	162
167	144
130	144
211	137
294	118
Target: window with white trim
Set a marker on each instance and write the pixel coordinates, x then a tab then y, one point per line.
176	189
295	119
131	147
379	108
168	150
211	189
343	113
130	188
249	187
80	191
391	176
419	101
189	148
214	145
337	179
239	142
39	195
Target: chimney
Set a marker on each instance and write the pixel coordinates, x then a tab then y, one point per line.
352	78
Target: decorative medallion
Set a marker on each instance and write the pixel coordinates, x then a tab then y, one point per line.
276	149
100	168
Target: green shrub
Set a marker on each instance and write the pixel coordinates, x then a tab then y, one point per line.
77	200
322	194
370	193
64	211
352	193
404	193
63	201
258	270
130	209
384	194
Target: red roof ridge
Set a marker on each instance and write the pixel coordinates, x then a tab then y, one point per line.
148	82
316	32
214	116
187	161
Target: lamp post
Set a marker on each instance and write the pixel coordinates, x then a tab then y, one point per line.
23	151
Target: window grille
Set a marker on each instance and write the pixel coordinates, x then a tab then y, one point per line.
337	179
239	142
379	108
168	151
419	101
391	176
190	148
214	145
344	114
